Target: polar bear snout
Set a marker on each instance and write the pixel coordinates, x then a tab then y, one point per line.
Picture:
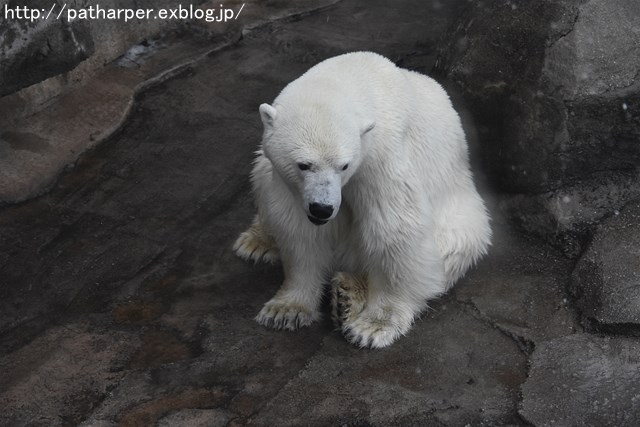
321	196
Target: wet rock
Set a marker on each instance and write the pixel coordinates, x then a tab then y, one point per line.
35	49
606	280
79	79
396	30
450	369
71	362
566	217
134	244
195	418
150	412
553	86
584	380
520	289
57	260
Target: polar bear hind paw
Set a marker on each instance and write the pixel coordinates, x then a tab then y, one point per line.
377	330
256	244
361	326
284	315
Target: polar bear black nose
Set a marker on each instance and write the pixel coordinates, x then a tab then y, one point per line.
320	211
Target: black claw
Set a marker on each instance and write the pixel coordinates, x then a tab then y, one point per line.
252	252
297	321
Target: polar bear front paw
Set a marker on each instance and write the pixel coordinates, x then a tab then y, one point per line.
285	315
256	244
348	297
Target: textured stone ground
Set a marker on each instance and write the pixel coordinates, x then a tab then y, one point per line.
121	302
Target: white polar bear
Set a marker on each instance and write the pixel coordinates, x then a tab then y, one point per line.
363	178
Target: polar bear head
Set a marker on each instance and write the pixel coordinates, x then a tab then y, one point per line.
316	150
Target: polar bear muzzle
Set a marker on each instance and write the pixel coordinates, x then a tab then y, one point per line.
321	195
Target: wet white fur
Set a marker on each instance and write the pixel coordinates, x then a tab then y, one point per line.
410	216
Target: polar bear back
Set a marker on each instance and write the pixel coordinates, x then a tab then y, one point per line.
359	84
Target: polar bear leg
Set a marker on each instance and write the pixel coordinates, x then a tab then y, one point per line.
306	264
296	303
377	311
256	244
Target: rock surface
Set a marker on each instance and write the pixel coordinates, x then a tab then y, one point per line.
53	54
520	289
121	302
554	87
445	372
47	126
34	49
584	380
606	280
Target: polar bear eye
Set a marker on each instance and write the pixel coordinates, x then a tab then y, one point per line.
344	168
304	166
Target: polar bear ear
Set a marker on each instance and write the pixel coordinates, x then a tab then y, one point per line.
268	114
368	126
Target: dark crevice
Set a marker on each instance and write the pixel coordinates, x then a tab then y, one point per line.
564	34
525	346
620	329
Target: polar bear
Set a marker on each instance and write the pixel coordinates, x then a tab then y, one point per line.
363	181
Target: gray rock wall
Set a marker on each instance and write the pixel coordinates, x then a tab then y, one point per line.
92	71
606	280
554	88
43	57
32	51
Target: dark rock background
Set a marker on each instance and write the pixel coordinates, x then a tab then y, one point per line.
121	302
554	89
34	50
606	280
